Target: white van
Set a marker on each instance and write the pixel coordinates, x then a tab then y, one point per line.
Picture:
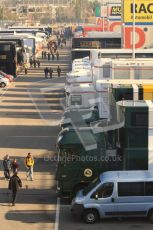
116	194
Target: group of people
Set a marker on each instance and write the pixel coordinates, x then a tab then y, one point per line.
34	62
61	40
50	55
12	167
52	46
49	71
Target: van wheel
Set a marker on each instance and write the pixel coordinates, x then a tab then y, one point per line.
2	84
90	216
150	216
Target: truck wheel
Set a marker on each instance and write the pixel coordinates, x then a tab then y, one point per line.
2	84
150	216
90	216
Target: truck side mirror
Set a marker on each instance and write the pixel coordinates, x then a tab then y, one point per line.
113	200
96	196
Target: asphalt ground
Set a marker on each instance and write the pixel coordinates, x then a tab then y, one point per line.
30	112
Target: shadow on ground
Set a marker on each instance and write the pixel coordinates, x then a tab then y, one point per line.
30	196
32	216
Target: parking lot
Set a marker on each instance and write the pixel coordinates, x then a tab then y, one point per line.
30	112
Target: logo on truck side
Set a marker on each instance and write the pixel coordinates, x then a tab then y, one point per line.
88	172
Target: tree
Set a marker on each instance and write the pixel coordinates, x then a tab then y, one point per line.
84	9
6	14
78	11
60	14
94	4
45	20
65	14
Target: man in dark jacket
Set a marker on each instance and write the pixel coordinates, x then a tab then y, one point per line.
57	55
7	167
42	53
14	166
45	54
51	72
48	55
31	61
46	71
58	71
53	56
34	63
38	63
14	184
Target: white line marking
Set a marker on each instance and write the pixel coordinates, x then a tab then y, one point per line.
47	80
57	214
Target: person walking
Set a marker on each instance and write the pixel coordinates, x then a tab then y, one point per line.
42	53
34	63
14	184
64	41
38	63
45	54
57	55
48	56
53	56
51	72
31	62
55	48
58	71
59	41
29	165
14	166
46	71
25	68
7	167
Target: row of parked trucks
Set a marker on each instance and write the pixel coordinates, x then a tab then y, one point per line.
17	46
107	124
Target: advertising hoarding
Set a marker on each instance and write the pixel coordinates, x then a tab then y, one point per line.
114	11
143	11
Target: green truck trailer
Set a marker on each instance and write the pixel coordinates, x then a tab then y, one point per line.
79	117
120	144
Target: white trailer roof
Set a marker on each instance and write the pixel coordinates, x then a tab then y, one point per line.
101	34
80	88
